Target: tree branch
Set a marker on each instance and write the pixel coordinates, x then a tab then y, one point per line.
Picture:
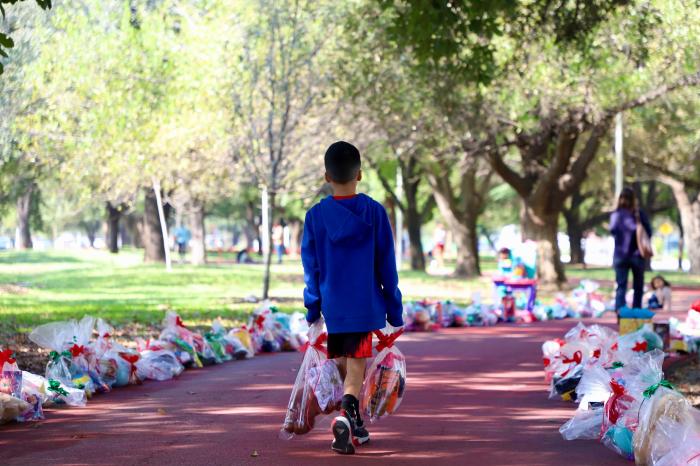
685	81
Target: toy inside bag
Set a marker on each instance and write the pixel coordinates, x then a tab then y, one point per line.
230	343
192	343
385	382
318	388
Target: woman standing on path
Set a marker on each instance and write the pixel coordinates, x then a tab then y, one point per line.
627	255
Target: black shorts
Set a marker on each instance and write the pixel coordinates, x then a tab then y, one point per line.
350	345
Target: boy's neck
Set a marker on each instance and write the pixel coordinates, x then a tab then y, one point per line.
344	190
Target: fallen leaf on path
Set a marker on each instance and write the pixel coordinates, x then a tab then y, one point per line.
255	454
191	393
161	411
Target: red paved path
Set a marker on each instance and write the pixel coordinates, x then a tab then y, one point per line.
474	397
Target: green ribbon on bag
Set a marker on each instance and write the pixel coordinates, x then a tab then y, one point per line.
55	386
617	365
649	392
55	355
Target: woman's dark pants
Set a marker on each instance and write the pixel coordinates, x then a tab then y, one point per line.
622	269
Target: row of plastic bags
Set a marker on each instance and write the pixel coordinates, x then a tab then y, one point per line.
623	399
426	316
84	359
318	388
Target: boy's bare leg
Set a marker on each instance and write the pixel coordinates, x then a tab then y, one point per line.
354	375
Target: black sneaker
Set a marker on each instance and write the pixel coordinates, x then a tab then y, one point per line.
359	433
342	428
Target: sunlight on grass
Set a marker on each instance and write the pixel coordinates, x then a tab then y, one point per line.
37	287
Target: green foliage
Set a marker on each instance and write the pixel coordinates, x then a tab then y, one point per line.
6	41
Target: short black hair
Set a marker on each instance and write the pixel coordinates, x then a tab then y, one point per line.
342	161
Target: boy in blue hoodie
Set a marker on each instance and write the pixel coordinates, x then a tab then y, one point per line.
350	274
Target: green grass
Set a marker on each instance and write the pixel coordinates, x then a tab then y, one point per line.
37	287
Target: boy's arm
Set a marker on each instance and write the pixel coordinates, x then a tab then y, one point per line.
386	266
312	293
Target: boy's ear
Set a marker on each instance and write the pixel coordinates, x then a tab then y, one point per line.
328	178
359	175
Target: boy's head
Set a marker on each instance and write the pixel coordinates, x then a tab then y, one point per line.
343	164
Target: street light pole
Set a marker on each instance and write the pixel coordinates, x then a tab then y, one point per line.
399	219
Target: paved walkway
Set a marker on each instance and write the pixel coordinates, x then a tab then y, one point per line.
475	396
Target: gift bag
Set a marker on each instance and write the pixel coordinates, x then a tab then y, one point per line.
175	332
158	365
318	388
661	410
72	360
385	382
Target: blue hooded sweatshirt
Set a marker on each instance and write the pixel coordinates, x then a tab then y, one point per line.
349	265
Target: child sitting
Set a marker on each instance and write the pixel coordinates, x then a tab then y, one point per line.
660	295
350	274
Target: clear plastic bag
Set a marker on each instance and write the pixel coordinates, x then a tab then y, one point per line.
34	393
11	408
584	425
663	410
318	388
186	340
385	382
72	360
158	365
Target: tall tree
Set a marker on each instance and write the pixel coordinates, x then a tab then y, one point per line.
279	82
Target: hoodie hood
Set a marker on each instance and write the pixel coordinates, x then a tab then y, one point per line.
346	223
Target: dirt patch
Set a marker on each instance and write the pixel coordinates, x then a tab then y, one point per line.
14	288
686	378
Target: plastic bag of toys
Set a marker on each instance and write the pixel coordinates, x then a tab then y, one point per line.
663	410
53	391
72	360
263	329
243	336
641	341
230	341
584	425
11	407
318	388
34	393
623	407
191	342
114	361
158	365
385	382
677	441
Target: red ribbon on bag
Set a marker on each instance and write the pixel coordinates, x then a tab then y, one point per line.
318	344
596	353
76	350
259	321
577	357
6	357
612	410
546	361
179	322
696	306
131	359
640	347
387	341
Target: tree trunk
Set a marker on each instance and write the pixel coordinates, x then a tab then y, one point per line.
199	249
415	245
24	207
252	232
154	249
689	209
269	252
542	228
113	216
575	244
462	224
